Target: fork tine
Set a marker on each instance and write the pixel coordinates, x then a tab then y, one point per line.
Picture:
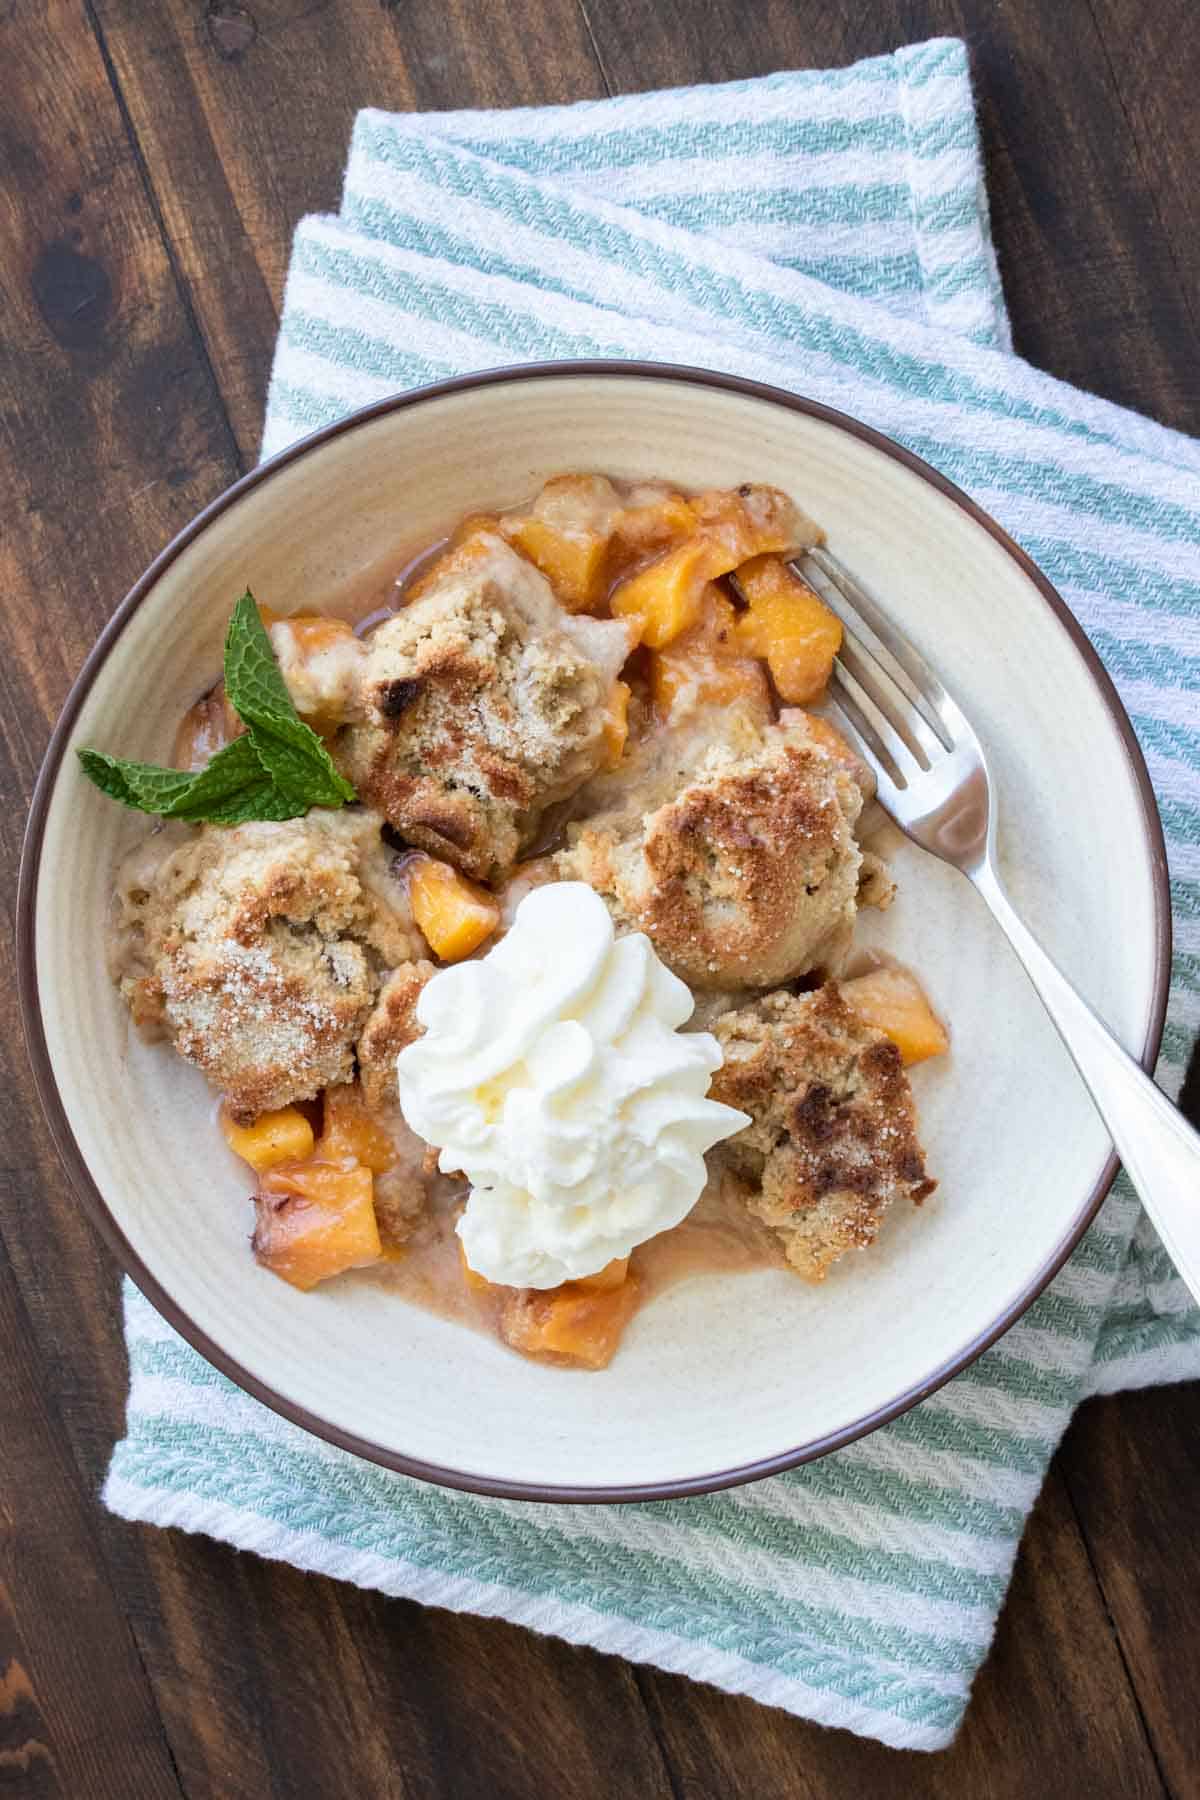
859	732
907	668
891	700
874	727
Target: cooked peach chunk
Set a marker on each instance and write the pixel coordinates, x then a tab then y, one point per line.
572	562
455	914
750	521
314	1220
650	525
478	1284
893	1001
351	1131
471	526
707	681
274	1137
312	634
616	724
790	626
573	1323
707	664
667	596
610	1276
205	728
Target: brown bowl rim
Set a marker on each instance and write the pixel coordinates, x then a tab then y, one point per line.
73	1160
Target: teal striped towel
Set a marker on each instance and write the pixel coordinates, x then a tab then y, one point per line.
828	232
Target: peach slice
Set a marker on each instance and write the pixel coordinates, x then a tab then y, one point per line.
579	1324
745	522
894	1002
610	1276
638	531
350	1131
707	663
274	1137
314	1220
572	562
205	728
667	596
790	626
571	1322
616	724
455	914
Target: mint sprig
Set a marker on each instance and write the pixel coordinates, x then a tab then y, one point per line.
277	770
291	752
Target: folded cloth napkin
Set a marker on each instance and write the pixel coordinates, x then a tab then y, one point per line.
827	232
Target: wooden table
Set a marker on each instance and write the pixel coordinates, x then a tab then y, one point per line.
155	156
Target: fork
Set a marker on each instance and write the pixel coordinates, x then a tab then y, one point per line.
933	780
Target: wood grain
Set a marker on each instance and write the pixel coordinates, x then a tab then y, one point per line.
113	436
158	154
1132	1467
68	1664
244	120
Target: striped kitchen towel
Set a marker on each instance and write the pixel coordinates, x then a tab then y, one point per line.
827	232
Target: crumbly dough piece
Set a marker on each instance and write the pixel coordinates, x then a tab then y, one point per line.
731	844
833	1140
256	949
391	1026
485	704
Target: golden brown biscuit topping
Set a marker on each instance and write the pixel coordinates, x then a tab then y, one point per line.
833	1141
252	948
748	874
485	704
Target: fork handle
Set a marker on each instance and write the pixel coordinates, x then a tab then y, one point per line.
1158	1147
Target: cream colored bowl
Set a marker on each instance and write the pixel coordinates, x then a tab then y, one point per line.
725	1378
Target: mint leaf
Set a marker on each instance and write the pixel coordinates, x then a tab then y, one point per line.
231	789
277	770
141	785
290	751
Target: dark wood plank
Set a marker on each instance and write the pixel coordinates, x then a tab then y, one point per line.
77	1714
258	1680
271	1682
478	1707
113	436
1132	1465
244	120
1095	289
1154	55
1052	1695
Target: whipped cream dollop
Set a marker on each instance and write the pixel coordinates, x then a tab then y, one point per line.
553	1075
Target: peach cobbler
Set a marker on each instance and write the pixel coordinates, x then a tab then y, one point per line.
512	919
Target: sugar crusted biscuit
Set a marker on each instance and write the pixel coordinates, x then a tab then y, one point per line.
833	1140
